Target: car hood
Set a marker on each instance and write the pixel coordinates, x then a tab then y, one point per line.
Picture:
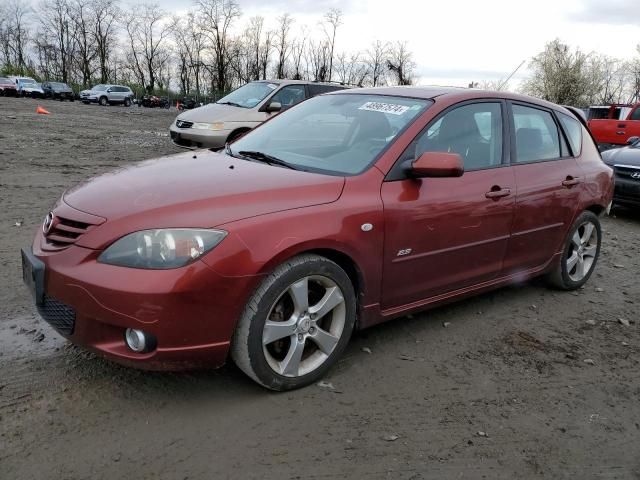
624	156
214	112
198	191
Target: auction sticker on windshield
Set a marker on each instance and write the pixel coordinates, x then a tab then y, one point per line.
384	108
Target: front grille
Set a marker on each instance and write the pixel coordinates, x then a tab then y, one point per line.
628	172
60	316
65	232
183	124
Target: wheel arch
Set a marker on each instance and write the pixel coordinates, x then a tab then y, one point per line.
596	209
237	133
337	255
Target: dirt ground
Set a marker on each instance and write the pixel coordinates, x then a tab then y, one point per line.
524	382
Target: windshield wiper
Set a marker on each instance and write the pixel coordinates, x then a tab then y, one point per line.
266	158
233	104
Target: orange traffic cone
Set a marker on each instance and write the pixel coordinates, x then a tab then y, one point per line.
42	111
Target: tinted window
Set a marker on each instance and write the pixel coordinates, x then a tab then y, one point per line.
290	95
635	115
319	89
473	131
537	137
334	134
573	129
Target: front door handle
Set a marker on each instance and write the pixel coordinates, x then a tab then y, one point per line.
570	182
497	192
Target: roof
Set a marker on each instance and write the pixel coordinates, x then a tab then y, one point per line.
453	93
284	81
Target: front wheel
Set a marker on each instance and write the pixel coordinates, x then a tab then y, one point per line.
127	102
580	253
103	101
296	324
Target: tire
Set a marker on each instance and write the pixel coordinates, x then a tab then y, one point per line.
579	255
127	102
103	101
274	364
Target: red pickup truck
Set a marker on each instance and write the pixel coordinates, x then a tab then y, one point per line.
613	125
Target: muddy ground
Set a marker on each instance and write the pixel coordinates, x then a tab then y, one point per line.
501	391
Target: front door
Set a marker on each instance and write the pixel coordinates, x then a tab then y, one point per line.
444	234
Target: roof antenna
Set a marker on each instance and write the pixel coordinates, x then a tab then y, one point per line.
512	74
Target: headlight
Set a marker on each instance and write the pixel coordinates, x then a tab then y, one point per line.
208	126
161	249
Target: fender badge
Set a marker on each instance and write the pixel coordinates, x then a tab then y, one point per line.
366	227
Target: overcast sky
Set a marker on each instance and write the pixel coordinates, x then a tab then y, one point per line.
457	41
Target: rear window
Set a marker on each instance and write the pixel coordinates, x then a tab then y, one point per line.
573	129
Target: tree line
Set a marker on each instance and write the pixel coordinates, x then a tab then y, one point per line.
211	48
569	76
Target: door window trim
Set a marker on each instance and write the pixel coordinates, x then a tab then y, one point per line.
561	134
396	173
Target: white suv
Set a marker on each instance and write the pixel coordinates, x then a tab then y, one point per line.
108	95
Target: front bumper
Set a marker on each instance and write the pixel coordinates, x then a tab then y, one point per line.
89	99
198	138
191	311
627	193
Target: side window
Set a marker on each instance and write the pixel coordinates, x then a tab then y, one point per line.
537	137
573	129
315	89
474	131
290	95
635	115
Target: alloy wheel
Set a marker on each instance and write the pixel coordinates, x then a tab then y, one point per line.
582	251
304	326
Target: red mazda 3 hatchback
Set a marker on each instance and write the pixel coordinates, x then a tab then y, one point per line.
347	210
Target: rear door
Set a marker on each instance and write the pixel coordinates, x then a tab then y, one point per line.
549	181
445	234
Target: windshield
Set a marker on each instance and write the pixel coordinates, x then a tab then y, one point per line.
99	88
5	80
249	95
335	134
29	84
58	85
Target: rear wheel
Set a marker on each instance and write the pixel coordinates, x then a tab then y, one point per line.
127	102
580	254
296	324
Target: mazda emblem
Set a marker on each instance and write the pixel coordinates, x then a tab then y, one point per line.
48	223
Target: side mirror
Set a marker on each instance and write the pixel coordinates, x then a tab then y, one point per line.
632	140
437	164
274	107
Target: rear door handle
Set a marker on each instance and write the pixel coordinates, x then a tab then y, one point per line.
498	193
570	182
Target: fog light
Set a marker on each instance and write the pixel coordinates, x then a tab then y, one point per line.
136	340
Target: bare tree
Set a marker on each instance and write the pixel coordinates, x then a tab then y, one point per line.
376	58
351	69
400	62
14	35
218	16
318	58
283	46
297	51
105	13
58	36
82	14
333	19
148	32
